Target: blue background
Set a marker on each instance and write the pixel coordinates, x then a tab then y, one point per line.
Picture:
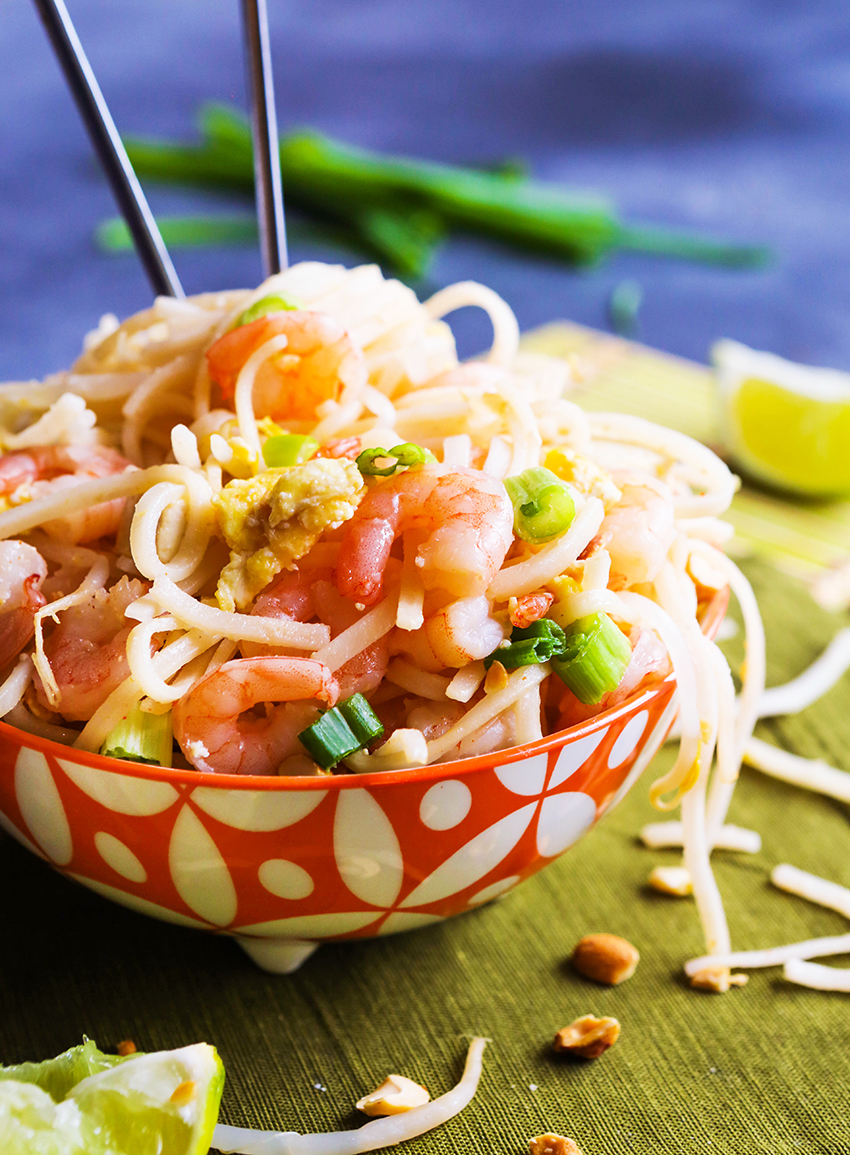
727	117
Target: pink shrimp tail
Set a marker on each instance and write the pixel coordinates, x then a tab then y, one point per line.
18	626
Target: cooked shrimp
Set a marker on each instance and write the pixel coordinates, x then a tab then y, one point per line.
44	468
219	733
459	633
304	594
469	520
22	570
87	651
648	664
319	361
639	530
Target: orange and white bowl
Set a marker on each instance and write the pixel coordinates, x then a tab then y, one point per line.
283	864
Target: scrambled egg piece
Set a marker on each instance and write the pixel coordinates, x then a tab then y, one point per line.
563	587
271	520
580	471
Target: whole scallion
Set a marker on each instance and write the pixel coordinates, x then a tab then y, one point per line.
400	208
595	657
543	504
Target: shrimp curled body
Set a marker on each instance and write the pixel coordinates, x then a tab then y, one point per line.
639	530
43	469
468	519
217	730
318	362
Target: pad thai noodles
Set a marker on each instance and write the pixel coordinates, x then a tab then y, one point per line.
287	532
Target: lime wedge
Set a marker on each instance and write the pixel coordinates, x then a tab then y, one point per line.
787	425
88	1103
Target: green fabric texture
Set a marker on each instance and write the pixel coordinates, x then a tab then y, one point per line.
760	1071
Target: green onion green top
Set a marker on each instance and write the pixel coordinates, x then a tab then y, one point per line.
340	731
595	658
141	737
275	304
405	456
530	645
543	505
288	449
361	718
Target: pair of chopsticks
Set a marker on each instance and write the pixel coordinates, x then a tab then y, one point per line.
116	164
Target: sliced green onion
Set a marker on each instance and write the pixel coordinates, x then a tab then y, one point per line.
141	737
405	456
329	739
288	449
266	305
342	730
543	505
594	659
361	718
530	645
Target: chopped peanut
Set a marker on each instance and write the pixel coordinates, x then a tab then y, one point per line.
529	608
497	678
587	1037
394	1096
126	1047
717	979
605	958
671	880
550	1144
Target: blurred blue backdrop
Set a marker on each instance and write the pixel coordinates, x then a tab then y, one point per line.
727	116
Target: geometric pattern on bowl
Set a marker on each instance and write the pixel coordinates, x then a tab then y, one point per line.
322	858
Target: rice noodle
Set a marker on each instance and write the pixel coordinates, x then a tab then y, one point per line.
15	685
773	956
424	685
810	773
811	887
519	682
553	559
466	681
702	468
802	691
661	835
385	1132
505	328
245	627
364	633
244	392
819	978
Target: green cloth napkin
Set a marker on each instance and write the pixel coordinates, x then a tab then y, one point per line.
760	1071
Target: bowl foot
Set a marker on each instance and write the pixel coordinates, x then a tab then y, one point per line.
279	956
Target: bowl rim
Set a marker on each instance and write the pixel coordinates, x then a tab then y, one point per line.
710	620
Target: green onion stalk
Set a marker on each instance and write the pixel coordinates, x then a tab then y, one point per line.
141	737
595	657
341	731
399	209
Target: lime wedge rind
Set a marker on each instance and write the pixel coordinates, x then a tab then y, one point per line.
784	424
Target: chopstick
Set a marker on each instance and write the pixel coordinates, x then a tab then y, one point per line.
269	192
110	151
